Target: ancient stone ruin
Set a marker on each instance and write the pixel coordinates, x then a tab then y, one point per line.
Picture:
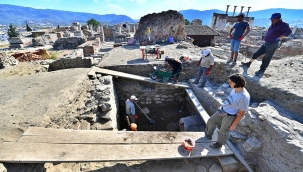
162	26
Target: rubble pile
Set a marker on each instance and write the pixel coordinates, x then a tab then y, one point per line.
32	56
185	45
68	43
7	60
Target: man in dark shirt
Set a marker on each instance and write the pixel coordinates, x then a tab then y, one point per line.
176	66
241	29
276	32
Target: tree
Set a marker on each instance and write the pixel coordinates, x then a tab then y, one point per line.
12	31
29	29
93	22
186	22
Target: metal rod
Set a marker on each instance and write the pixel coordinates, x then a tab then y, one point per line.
241	9
234	10
227	9
248	11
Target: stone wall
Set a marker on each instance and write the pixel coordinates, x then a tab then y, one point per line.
73	60
68	43
162	26
19	42
44	39
266	137
148	93
100	108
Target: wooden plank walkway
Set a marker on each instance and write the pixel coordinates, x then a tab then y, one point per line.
136	77
40	145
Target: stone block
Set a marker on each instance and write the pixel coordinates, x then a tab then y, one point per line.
252	145
215	168
228	163
237	137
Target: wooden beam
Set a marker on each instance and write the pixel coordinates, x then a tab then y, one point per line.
15	152
140	78
49	135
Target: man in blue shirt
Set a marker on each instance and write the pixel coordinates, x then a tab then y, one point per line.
237	37
276	32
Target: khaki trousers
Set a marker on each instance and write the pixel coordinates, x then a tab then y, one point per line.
224	122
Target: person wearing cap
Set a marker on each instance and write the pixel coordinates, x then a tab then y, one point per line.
236	37
176	66
205	64
130	108
275	33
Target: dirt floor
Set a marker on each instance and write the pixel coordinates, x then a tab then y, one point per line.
44	90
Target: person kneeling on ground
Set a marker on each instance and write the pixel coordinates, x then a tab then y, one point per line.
176	66
130	109
230	113
206	63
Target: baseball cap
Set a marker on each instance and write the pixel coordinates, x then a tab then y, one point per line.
206	52
166	58
133	97
241	14
275	15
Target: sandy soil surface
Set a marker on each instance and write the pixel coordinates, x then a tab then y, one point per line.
31	97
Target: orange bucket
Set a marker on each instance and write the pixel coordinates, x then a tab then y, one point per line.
188	143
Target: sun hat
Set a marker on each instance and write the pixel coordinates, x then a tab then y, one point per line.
206	52
133	97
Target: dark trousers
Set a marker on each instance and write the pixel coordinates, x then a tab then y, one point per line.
178	70
268	49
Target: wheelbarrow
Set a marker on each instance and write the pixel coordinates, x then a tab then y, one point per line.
162	73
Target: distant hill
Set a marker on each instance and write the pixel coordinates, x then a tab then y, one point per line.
19	15
292	16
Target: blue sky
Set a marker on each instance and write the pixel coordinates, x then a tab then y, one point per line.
138	8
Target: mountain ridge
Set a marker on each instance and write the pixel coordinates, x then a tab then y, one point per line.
18	15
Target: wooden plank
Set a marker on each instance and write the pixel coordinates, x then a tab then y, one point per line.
92	72
14	152
204	115
50	135
136	77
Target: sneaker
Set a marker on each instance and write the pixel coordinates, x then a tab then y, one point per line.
259	72
216	145
201	86
246	64
230	60
208	137
234	63
196	82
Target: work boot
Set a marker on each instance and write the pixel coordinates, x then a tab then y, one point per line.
201	86
230	60
216	145
196	82
234	63
259	72
246	64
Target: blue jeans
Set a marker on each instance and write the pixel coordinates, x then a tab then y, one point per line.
202	70
268	49
235	45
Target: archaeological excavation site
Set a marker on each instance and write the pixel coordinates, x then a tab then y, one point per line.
69	113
